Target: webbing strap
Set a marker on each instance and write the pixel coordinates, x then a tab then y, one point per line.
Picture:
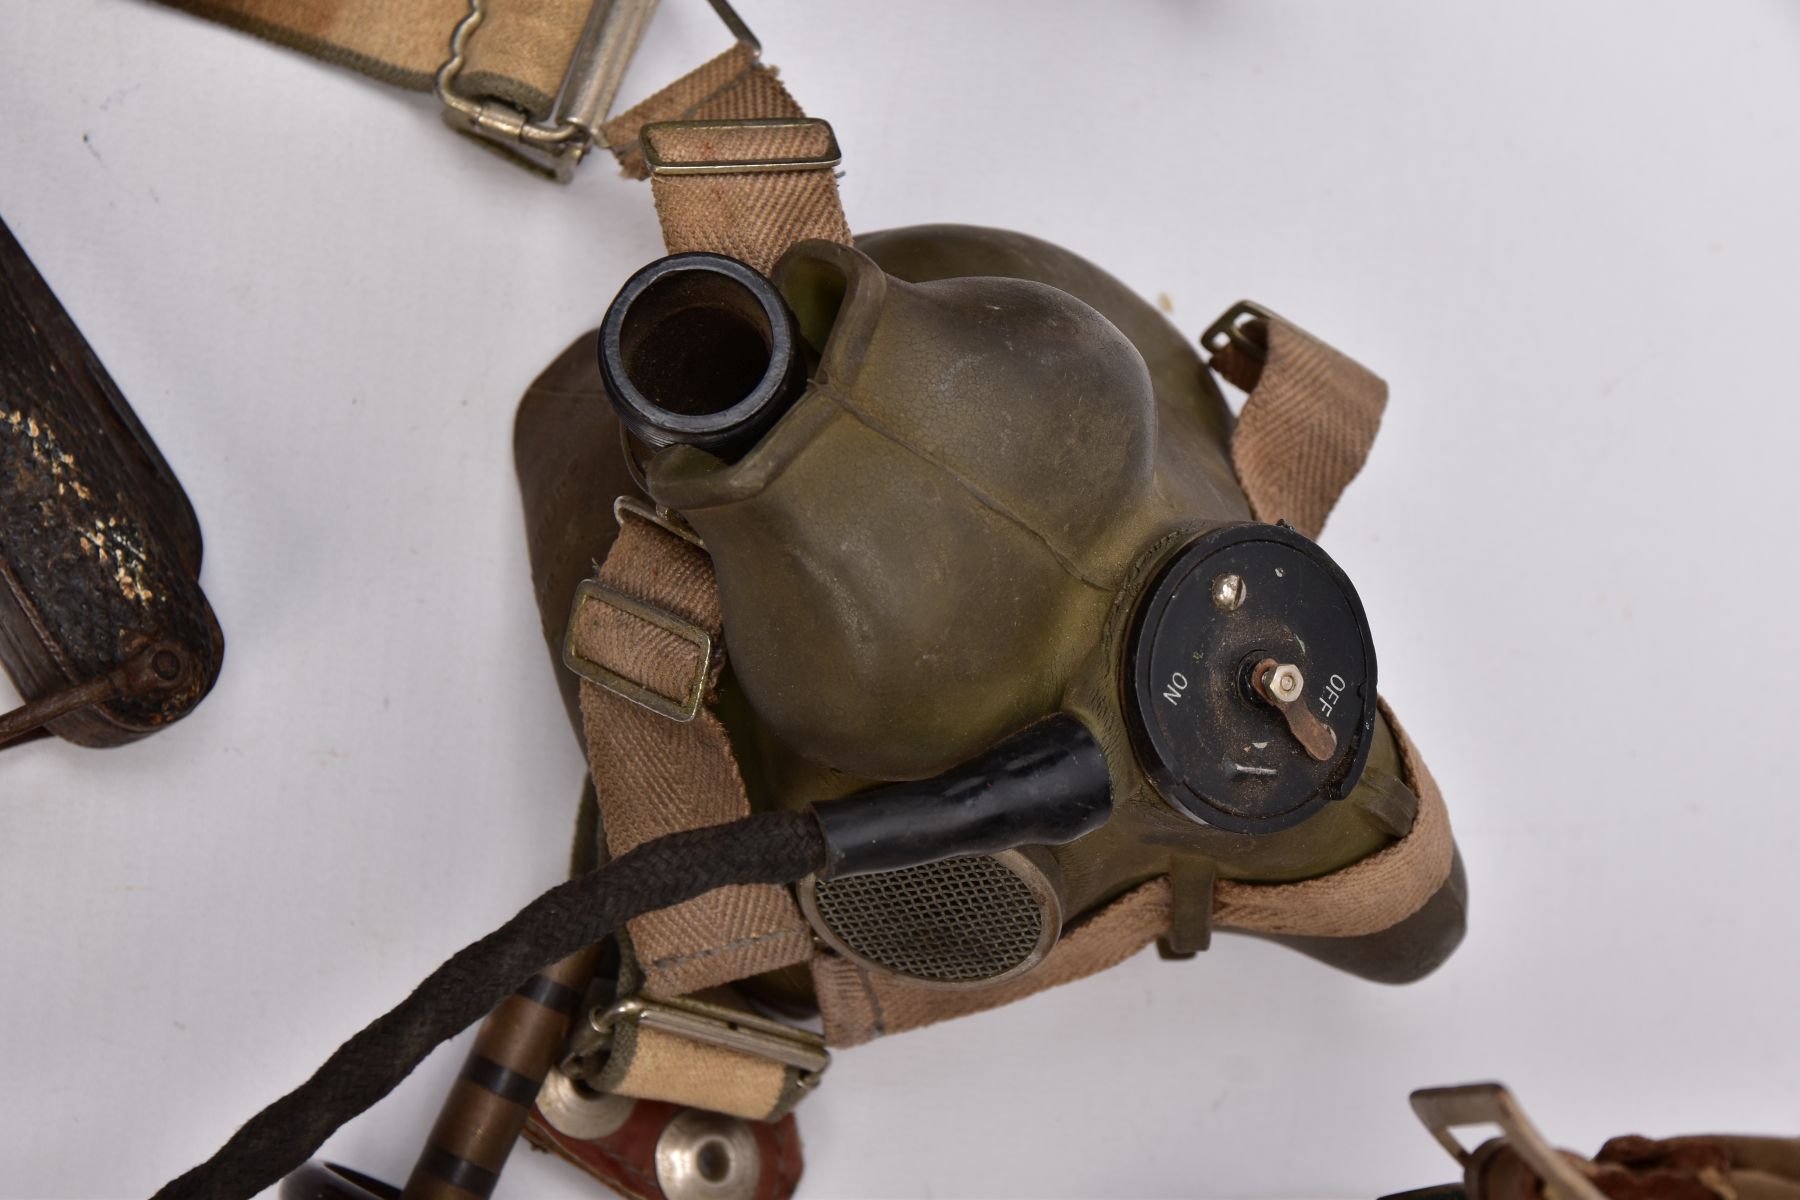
734	114
648	768
652	1064
656	775
650	624
656	770
1311	416
714	190
1366	897
519	56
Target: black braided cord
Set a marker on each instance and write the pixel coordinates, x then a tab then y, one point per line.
772	847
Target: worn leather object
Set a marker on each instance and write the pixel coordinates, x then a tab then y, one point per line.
99	548
1632	1167
626	1160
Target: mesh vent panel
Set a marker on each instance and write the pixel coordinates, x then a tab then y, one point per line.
959	921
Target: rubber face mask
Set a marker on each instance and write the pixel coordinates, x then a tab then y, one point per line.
957	481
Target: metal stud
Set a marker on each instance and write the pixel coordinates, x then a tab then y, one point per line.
1284	682
1228	592
580	1112
707	1156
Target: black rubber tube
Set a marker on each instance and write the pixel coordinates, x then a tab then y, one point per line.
1044	786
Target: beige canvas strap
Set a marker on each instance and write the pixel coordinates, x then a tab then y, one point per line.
645	636
519	56
654	621
1311	415
652	1064
735	169
1366	897
735	166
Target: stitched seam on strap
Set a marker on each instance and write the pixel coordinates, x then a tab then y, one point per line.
877	1018
677	959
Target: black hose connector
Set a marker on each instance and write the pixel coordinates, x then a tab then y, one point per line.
700	350
1044	786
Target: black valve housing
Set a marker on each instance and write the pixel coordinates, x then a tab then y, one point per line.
1212	746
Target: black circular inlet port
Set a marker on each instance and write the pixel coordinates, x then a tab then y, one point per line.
700	350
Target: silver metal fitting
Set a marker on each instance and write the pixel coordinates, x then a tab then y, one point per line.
577	1111
1284	683
707	1156
733	1029
1229	593
557	144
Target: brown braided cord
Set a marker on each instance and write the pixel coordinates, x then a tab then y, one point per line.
769	848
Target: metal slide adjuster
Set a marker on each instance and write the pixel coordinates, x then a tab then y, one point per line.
592	591
827	157
589	85
1228	330
730	1028
665	519
1442	1109
685	709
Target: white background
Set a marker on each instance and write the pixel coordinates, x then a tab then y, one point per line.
1568	235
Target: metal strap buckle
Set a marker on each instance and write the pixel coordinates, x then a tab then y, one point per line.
829	156
731	1028
593	591
684	709
664	519
1444	1109
556	146
1228	330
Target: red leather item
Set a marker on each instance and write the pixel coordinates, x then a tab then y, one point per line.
626	1161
